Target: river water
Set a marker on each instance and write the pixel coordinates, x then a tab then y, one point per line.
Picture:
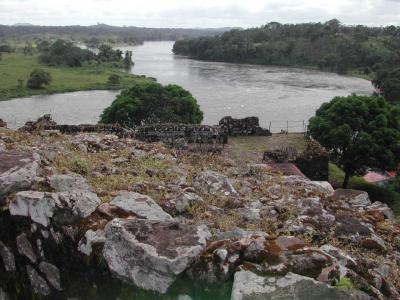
274	94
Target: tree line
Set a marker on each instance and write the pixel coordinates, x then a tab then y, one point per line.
330	46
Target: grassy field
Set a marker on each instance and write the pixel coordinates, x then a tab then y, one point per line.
16	66
375	192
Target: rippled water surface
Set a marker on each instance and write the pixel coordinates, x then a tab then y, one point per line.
272	93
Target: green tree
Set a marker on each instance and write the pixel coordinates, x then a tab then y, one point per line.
359	132
38	78
148	103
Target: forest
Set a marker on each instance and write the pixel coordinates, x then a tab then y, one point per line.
100	33
371	52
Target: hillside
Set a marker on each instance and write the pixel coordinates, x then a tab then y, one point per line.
105	217
328	46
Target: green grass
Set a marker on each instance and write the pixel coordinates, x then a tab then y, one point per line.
16	66
375	192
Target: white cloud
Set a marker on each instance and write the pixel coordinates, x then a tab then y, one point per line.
205	13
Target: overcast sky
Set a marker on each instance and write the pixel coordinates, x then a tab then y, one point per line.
200	13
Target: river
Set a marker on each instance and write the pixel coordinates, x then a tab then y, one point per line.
274	94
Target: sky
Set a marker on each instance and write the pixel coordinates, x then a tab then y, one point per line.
200	13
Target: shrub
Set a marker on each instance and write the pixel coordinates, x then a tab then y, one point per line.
147	103
38	78
114	79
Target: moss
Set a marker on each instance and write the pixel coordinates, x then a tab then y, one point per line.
345	283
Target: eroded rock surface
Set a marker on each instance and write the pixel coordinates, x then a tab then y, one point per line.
150	254
249	286
18	171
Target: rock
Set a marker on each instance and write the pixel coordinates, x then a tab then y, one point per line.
2	146
214	183
68	183
151	254
141	205
237	233
249	214
383	208
17	171
39	285
185	200
52	274
75	205
352	197
290	243
309	264
322	188
91	239
374	242
4	295
8	258
36	205
25	247
3	124
249	286
350	226
342	257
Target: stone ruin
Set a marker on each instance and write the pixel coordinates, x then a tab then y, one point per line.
181	136
243	127
313	162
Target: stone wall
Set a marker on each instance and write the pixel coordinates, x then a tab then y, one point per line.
243	127
180	136
313	161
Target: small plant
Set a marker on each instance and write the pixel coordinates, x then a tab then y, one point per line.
345	283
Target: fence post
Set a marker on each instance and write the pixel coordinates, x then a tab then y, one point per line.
287	127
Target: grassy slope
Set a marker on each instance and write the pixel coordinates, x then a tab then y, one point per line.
376	193
16	66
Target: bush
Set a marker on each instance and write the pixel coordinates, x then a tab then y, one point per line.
114	79
38	78
147	103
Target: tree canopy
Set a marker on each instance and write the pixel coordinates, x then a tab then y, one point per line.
359	132
147	103
330	46
38	78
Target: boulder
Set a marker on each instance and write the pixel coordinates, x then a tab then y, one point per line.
185	200
75	205
36	205
17	171
38	283
91	239
3	123
141	205
25	248
352	197
322	188
151	254
68	182
8	258
249	286
210	182
52	274
3	295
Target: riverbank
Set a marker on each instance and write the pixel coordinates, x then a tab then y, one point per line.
16	67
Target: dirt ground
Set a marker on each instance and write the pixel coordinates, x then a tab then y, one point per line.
250	149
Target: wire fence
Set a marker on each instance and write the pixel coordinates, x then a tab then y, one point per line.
288	126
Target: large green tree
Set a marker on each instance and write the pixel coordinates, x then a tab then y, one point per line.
147	103
359	132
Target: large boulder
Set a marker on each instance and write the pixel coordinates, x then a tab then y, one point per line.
38	283
38	206
151	254
210	182
249	286
17	171
320	188
141	205
64	208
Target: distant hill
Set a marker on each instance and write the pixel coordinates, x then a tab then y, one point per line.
101	33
